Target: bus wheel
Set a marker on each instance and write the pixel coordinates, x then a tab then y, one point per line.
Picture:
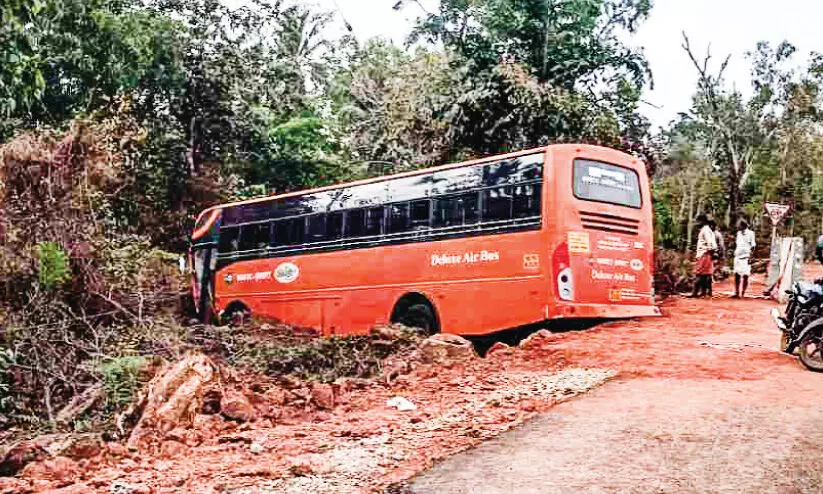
419	316
236	315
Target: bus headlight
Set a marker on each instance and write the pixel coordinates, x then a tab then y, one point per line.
565	284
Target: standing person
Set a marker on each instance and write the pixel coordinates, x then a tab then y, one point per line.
704	266
818	250
743	248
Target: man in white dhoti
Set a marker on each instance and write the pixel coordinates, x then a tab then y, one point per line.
744	246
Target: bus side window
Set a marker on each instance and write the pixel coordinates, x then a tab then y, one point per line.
526	200
316	228
497	204
354	223
334	226
399	219
456	210
229	237
374	221
289	232
253	237
420	218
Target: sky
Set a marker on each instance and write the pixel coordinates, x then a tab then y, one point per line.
731	27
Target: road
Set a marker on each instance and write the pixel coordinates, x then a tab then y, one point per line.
704	403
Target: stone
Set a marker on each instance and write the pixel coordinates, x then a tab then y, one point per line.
323	396
537	339
172	449
256	448
57	469
445	348
275	396
236	406
498	347
19	455
83	446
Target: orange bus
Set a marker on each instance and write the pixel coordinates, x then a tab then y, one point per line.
563	231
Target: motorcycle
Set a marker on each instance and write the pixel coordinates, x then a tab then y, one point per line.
802	323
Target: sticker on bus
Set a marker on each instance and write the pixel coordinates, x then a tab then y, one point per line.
578	242
286	272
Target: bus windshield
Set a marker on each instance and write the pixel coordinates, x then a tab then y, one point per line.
602	182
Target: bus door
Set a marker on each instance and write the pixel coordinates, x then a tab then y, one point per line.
608	236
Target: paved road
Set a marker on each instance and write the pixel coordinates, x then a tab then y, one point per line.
713	431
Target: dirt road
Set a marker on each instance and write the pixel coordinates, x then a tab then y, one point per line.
704	403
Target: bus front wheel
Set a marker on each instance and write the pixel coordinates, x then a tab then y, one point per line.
418	315
236	315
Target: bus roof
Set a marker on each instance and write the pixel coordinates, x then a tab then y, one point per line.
385	178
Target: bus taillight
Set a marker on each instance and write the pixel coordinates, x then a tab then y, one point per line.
562	266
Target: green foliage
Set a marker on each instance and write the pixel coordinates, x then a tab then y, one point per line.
53	267
121	378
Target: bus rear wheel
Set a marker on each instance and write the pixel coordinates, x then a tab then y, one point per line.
419	316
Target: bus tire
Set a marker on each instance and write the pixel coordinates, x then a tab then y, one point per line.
417	314
236	314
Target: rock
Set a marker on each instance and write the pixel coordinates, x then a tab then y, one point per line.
236	406
174	397
537	339
119	487
172	449
401	404
80	404
256	448
19	455
56	469
275	396
323	396
442	348
498	347
83	446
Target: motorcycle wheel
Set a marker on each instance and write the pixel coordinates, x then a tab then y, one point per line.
811	351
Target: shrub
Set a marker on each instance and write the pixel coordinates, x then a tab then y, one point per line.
53	266
121	379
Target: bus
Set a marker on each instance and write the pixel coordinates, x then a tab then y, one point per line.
472	248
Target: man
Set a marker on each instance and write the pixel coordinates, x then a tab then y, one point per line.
743	248
704	266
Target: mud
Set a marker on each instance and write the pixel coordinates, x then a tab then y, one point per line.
361	445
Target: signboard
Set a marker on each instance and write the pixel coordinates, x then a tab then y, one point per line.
777	211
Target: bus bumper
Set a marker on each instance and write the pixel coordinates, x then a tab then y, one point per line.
603	311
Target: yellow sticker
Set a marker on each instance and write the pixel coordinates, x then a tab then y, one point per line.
615	295
578	242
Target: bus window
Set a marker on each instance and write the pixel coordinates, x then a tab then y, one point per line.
229	237
355	220
374	221
316	228
334	226
602	182
419	215
253	237
289	232
456	210
399	220
497	204
526	201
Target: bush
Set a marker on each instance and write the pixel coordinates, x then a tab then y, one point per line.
53	267
122	377
672	272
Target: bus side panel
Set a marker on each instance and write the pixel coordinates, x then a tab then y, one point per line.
477	284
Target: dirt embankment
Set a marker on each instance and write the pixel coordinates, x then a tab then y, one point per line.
354	436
